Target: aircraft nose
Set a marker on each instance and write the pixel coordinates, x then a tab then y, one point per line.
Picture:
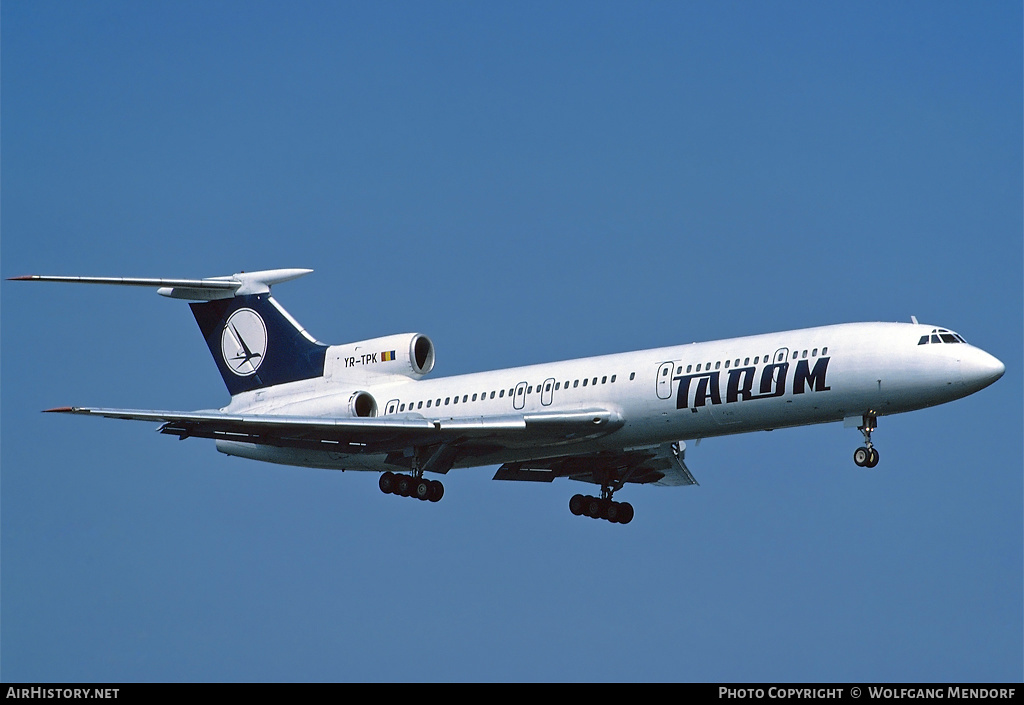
980	369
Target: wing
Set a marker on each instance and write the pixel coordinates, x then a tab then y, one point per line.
441	441
659	465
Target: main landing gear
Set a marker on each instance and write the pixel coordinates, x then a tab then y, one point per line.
602	507
410	486
866	456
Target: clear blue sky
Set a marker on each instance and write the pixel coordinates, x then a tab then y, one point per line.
523	182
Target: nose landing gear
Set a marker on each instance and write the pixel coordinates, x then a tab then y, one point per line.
866	456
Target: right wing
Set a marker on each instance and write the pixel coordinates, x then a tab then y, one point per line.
659	465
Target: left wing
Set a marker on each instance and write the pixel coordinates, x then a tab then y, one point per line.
463	435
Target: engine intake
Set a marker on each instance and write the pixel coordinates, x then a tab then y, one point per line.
362	404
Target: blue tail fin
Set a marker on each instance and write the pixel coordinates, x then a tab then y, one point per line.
256	344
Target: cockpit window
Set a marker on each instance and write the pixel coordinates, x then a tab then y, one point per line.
941	335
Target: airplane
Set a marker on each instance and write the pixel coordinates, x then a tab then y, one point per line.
610	420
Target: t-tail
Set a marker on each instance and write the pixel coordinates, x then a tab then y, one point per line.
254	341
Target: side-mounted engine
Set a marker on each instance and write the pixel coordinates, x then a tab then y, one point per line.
408	354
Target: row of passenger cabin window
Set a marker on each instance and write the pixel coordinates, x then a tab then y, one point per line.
797	355
500	394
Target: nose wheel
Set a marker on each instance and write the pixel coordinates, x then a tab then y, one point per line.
866	456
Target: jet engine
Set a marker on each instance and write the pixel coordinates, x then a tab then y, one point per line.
407	354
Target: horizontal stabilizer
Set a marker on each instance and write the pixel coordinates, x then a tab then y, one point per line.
209	289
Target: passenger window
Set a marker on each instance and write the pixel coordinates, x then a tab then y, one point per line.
446	400
698	367
595	381
584	383
664	372
492	395
501	395
474	397
558	385
746	361
428	403
726	364
604	380
814	353
632	376
613	379
824	351
688	368
402	407
718	364
529	390
804	354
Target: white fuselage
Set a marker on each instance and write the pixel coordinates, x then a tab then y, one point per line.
699	390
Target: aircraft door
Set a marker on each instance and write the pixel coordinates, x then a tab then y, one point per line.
519	400
391	407
547	392
665	380
780	367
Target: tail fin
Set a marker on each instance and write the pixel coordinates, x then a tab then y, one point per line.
256	344
254	341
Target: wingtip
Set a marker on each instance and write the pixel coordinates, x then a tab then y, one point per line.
59	410
23	278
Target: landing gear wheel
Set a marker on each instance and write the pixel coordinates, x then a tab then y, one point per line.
872	458
861	456
403	486
436	491
625	513
422	490
387	482
576	504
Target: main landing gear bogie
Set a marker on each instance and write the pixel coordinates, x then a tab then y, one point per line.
601	508
410	486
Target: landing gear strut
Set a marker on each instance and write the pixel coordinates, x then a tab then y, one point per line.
866	456
602	507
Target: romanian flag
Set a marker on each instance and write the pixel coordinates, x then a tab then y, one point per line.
387	355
